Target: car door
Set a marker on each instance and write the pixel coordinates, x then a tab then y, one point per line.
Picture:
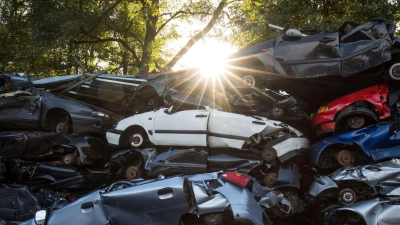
179	160
160	201
182	128
363	47
385	141
309	56
21	111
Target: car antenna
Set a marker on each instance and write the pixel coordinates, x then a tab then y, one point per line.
139	71
80	65
91	77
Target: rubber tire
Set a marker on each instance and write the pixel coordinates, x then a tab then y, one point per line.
210	219
139	139
394	71
249	80
277	112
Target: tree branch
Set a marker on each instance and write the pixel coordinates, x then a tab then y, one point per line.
198	36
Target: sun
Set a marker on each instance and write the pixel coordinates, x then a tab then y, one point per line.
208	55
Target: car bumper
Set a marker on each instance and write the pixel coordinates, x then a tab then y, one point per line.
113	136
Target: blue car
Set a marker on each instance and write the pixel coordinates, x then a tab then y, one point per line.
373	143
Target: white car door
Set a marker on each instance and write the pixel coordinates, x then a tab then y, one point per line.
182	128
232	130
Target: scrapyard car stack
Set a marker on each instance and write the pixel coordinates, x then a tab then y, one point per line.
169	149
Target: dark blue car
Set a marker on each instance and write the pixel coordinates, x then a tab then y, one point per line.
374	143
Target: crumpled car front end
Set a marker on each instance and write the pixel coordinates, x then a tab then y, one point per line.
211	197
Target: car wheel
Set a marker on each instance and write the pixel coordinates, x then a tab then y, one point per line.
136	140
270	179
70	159
213	218
394	71
355	121
249	81
133	172
269	154
277	112
347	196
345	158
63	128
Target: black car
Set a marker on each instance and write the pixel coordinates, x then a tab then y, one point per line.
23	106
53	160
342	52
322	65
192	90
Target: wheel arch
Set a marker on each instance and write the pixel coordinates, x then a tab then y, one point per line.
146	91
254	67
57	113
335	147
134	154
362	106
369	221
129	129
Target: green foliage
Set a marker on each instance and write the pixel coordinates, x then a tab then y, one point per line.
42	37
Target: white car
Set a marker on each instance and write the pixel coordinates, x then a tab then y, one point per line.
203	127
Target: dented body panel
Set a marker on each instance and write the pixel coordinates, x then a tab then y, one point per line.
26	107
207	127
161	201
191	160
333	53
382	211
377	142
383	178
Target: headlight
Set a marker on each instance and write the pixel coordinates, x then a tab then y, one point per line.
323	109
100	114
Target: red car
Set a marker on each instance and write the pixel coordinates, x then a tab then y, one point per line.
355	110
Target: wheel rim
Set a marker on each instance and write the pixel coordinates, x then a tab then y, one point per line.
394	71
62	128
69	159
277	111
269	154
213	218
355	122
347	196
270	179
249	81
132	173
345	158
136	140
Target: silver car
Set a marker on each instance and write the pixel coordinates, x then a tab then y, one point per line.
215	198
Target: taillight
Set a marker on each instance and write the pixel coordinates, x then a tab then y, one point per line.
236	178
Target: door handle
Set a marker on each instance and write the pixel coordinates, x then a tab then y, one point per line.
87	205
165	193
199	116
326	40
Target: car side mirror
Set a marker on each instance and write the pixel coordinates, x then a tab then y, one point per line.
294	33
40	217
169	110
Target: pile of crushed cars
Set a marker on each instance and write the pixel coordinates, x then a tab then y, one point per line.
184	148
